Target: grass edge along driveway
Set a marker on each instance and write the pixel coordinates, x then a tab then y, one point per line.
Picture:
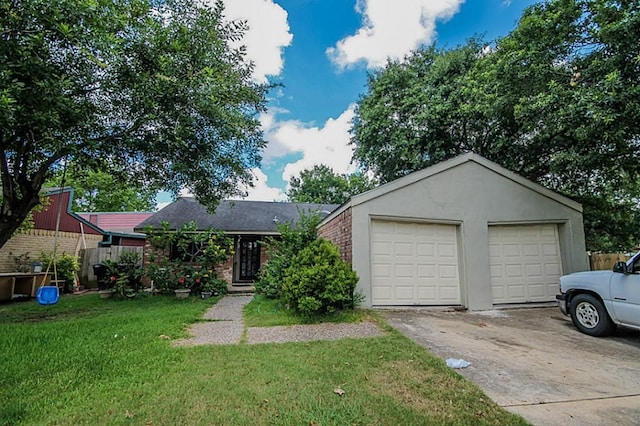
93	361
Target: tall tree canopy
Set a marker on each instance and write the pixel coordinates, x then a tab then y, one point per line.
557	101
321	184
99	191
147	91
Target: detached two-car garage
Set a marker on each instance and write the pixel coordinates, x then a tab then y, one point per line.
464	232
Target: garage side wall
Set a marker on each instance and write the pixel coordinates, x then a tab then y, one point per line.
338	231
474	197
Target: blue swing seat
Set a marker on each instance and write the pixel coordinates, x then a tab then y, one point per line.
48	295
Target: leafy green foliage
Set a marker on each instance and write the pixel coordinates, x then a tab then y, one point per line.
294	237
143	90
556	101
318	281
22	262
187	258
127	273
65	266
321	185
101	191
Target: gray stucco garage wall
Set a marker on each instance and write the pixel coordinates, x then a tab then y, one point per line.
473	194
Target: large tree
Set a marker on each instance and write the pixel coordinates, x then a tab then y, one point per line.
321	184
95	190
557	101
149	91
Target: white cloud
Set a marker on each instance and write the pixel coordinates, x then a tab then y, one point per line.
328	144
267	36
391	30
261	191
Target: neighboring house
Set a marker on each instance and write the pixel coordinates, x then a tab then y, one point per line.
74	233
463	232
247	222
119	226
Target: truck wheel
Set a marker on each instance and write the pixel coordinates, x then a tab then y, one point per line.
590	316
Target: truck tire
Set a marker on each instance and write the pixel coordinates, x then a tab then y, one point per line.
590	316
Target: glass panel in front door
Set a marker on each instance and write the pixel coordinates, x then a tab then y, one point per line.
249	260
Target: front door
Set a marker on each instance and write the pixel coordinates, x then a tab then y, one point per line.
249	259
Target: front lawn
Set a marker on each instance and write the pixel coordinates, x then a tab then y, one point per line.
92	361
263	312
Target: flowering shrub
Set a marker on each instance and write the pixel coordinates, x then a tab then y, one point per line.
187	257
125	274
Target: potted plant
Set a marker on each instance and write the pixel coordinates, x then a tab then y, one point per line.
183	289
105	290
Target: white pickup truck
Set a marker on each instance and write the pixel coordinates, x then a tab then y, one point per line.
598	301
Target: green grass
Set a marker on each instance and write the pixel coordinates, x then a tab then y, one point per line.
91	361
263	312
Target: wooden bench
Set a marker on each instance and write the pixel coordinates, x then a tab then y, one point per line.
15	285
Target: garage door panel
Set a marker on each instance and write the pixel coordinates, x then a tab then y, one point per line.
550	250
424	264
426	271
552	269
510	250
448	272
403	249
449	294
496	271
531	250
381	248
525	263
383	293
381	270
426	249
404	228
515	291
404	293
427	293
447	250
514	271
537	289
534	270
403	271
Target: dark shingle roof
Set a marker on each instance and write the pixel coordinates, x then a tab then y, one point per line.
233	216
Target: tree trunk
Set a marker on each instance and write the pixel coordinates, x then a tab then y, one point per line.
14	212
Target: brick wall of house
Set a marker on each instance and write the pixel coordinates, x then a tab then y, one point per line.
225	270
338	231
36	241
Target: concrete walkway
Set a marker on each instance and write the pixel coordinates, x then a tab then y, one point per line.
225	326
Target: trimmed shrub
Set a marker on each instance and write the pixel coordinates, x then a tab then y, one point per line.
318	281
281	250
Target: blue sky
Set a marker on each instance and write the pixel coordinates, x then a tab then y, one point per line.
321	51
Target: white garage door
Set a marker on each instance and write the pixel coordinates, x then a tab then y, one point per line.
525	263
414	264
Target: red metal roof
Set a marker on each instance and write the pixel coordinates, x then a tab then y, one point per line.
122	222
69	222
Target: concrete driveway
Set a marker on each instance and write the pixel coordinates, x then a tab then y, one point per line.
533	361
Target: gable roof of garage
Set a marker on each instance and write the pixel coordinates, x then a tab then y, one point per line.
448	165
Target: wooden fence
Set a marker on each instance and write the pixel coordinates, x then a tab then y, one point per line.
605	261
89	257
